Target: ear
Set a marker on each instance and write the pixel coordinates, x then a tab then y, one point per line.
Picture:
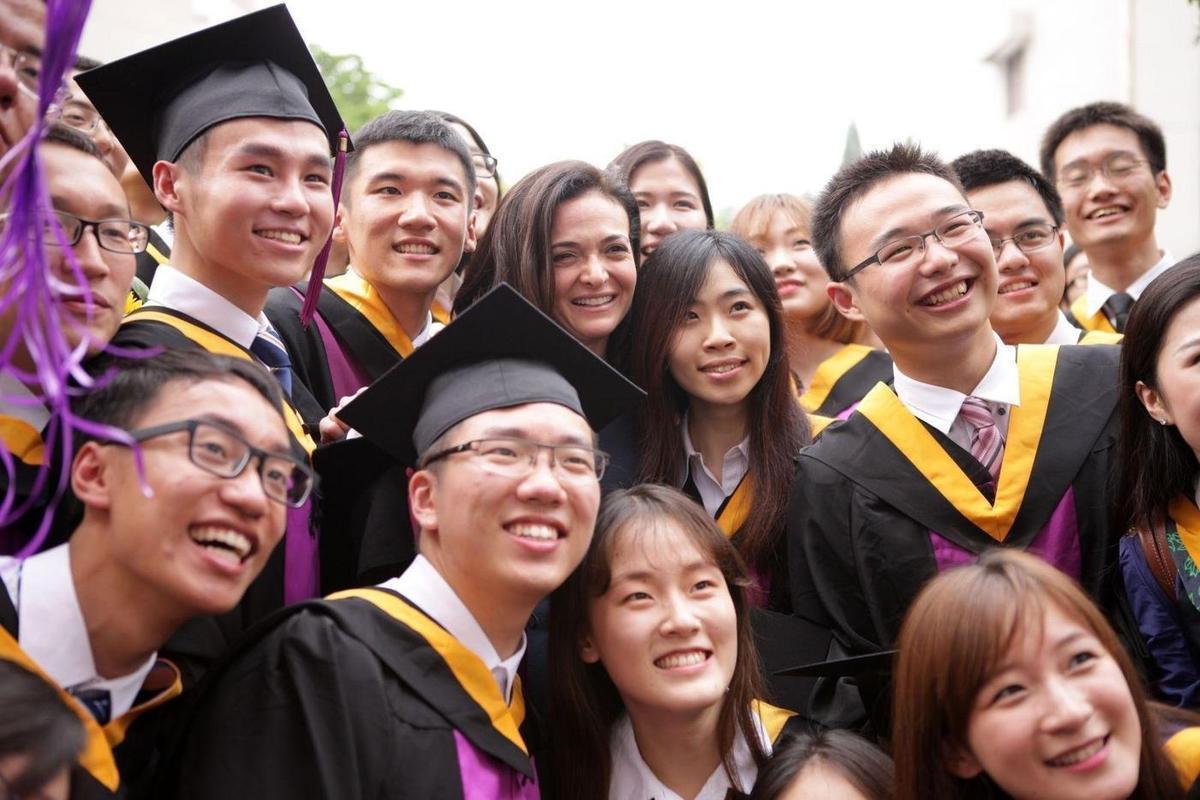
169	179
339	224
587	650
422	500
471	241
962	763
1062	241
91	476
842	296
1162	182
1153	401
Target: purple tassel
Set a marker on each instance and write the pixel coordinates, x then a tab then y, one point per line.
33	296
317	278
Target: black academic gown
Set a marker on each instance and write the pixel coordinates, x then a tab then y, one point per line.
870	491
845	378
119	759
356	696
199	642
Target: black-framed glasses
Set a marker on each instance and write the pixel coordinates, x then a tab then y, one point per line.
511	457
27	66
485	165
1028	239
219	451
1116	167
909	251
115	235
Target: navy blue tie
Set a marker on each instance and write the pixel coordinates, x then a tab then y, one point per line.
97	701
271	352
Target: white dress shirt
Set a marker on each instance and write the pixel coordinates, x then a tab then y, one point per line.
632	778
174	290
424	586
1064	332
430	328
1097	293
51	629
939	406
16	400
734	467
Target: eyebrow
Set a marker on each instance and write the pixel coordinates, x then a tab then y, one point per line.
616	237
277	446
521	433
1025	223
262	150
1104	157
648	575
1193	342
679	193
400	177
111	211
903	230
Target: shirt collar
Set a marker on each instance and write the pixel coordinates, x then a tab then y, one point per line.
175	290
1064	332
1097	293
734	456
52	631
424	585
16	400
939	406
427	331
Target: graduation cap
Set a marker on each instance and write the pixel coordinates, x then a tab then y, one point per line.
499	353
158	101
870	674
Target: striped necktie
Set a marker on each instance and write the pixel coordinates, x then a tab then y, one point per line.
271	352
986	444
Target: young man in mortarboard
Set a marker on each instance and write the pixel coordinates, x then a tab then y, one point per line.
406	216
1023	218
94	215
181	534
233	127
1110	165
976	445
410	689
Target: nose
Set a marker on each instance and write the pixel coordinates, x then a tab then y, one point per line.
416	213
718	336
89	255
657	220
680	618
1067	707
541	485
245	491
780	262
1011	258
593	272
291	199
9	87
938	257
1100	184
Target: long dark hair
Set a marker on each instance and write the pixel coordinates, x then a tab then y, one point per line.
667	285
955	636
35	723
867	768
1156	464
653	151
584	703
516	247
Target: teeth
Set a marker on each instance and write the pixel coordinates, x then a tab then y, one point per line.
945	296
593	301
1016	287
531	531
416	249
721	369
222	541
1105	212
675	660
1077	756
287	237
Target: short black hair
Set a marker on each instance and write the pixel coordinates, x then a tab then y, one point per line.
126	387
867	768
65	134
417	127
1154	147
981	168
84	63
853	181
37	724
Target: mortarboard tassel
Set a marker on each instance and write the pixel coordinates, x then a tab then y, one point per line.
317	278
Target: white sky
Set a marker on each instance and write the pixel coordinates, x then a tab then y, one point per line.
761	93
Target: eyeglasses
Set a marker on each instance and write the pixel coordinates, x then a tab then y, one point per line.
114	235
27	66
910	250
517	458
1032	237
219	451
485	165
1116	167
81	117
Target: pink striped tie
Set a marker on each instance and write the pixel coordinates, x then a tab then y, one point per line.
986	444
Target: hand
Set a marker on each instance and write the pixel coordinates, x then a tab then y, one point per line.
332	428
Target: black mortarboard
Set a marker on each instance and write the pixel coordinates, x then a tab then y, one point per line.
159	100
870	675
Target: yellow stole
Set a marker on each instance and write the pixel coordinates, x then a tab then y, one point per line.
1096	322
440	313
215	343
830	372
468	669
97	756
772	718
363	298
1187	524
1101	337
1184	751
1035	365
818	423
22	440
737	508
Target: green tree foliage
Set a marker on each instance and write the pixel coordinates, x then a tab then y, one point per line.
359	95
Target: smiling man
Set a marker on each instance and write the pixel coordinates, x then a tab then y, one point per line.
1110	166
180	535
977	444
1023	217
406	217
410	689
